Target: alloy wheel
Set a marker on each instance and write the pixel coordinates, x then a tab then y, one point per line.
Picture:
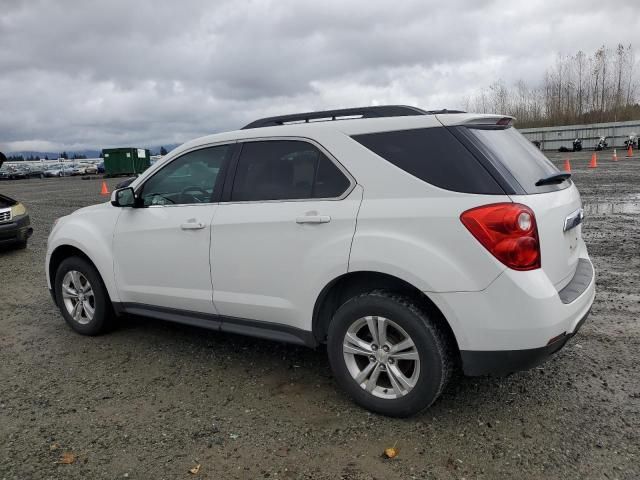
381	357
78	297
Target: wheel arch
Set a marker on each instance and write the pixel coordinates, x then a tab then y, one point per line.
60	253
351	284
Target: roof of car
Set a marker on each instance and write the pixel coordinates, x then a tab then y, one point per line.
347	121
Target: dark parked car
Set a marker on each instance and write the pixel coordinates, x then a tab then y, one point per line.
14	173
36	171
15	225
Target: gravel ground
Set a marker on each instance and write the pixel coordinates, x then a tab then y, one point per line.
153	400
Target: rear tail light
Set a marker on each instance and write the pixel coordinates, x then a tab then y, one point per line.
508	231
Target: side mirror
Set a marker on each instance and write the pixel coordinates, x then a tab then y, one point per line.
123	197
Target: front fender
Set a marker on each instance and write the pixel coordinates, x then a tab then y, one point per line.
90	231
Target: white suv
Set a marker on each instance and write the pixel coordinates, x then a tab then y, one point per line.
408	241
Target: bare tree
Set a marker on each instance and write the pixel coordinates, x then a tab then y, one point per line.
575	89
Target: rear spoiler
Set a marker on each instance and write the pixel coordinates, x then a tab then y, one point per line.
478	120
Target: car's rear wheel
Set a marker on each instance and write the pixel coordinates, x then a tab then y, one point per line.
388	354
82	297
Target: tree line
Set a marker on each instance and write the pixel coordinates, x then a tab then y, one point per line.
63	155
37	158
578	88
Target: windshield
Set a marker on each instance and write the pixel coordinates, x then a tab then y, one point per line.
524	161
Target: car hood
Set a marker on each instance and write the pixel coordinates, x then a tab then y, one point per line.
7	201
92	208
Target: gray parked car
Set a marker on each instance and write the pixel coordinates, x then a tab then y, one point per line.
59	170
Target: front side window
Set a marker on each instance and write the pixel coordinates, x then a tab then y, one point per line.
189	179
286	170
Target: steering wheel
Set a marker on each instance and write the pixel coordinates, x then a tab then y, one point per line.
193	188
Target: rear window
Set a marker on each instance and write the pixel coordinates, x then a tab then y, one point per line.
522	159
434	156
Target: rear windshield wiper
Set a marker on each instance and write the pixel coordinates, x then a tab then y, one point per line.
552	179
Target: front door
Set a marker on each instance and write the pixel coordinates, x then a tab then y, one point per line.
161	250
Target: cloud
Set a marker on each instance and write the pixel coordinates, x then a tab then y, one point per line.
94	74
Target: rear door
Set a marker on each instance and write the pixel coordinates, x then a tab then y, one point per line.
282	233
557	206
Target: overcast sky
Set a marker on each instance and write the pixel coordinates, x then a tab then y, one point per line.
82	74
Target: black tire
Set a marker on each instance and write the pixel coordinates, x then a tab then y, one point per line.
21	245
433	346
103	317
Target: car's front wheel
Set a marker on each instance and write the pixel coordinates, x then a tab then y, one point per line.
82	297
388	354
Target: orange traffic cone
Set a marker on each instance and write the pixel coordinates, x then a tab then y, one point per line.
594	160
567	165
615	155
630	151
104	191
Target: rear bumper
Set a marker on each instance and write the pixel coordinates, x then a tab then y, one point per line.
519	320
503	362
18	230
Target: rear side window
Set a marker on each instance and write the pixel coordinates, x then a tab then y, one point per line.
522	159
433	155
286	170
330	182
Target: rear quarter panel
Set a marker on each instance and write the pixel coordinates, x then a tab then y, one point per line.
423	241
409	228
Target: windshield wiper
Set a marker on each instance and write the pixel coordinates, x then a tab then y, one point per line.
552	179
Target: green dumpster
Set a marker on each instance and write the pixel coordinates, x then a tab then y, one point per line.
125	161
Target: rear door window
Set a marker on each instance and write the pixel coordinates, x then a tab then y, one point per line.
433	155
286	170
521	158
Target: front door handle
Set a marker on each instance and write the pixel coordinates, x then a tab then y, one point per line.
192	226
313	219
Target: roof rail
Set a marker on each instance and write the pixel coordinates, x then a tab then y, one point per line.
362	112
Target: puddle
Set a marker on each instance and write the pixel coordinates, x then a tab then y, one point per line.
611	207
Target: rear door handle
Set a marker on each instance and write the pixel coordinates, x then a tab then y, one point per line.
313	219
192	226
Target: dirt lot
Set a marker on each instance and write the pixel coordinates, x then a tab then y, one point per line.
152	400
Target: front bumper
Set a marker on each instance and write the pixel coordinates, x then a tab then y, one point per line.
519	320
17	230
